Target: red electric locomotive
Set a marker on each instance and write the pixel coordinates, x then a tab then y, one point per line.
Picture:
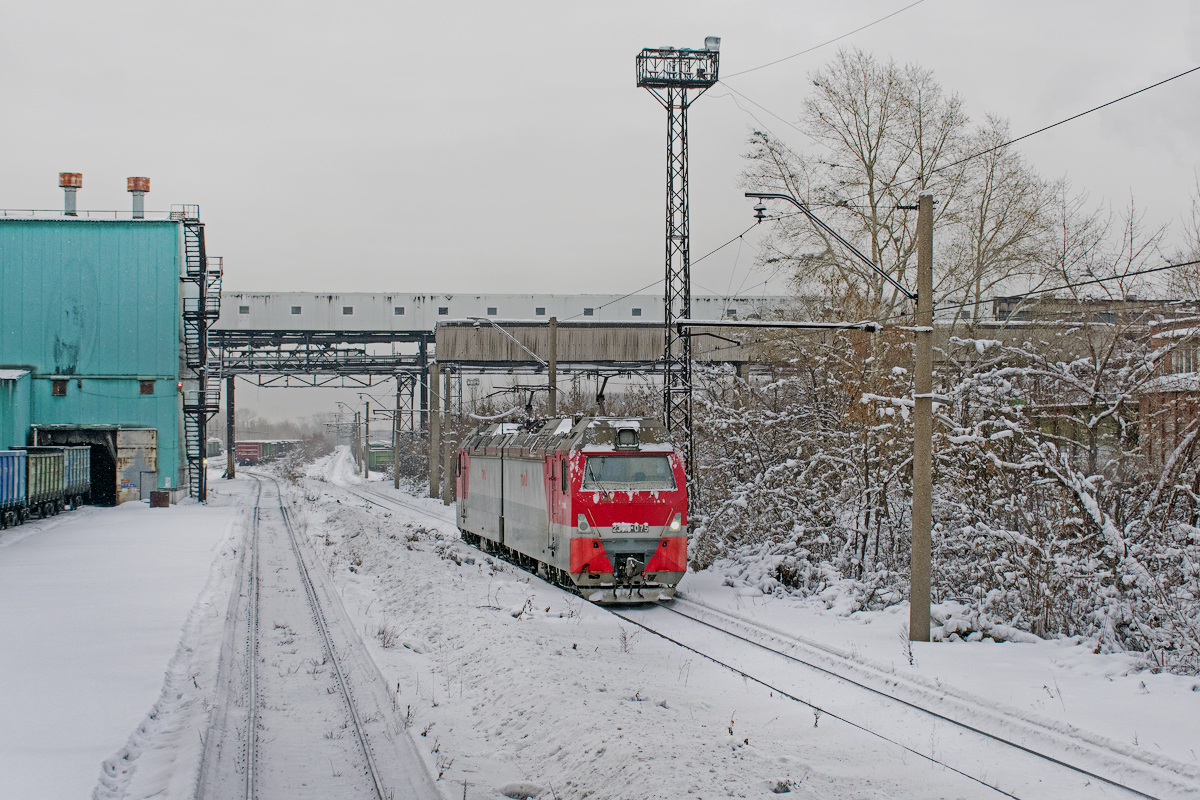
594	504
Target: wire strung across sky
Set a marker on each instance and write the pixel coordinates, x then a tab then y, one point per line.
660	280
823	44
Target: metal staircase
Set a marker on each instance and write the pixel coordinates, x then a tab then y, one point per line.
199	312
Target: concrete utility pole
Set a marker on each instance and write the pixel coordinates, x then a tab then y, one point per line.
396	439
448	470
367	443
230	431
435	429
922	516
553	368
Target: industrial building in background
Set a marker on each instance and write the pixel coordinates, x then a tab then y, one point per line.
92	313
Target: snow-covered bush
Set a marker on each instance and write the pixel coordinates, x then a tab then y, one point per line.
1049	518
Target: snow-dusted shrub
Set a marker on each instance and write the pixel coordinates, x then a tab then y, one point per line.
1049	518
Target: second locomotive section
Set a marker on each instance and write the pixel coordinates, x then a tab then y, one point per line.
598	504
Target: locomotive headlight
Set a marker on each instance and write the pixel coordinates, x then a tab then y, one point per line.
677	523
583	524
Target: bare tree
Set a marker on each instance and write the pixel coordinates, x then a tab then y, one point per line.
893	133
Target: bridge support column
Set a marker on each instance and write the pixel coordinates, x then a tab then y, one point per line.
230	431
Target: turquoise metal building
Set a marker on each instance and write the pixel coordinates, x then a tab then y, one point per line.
90	309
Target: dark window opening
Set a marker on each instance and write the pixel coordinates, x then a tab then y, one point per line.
347	311
145	387
243	309
58	388
587	312
637	312
296	309
539	311
398	311
443	311
491	311
564	476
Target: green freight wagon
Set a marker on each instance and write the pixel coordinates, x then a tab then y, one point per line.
379	458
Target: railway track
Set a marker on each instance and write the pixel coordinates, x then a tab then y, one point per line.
802	671
1065	761
288	721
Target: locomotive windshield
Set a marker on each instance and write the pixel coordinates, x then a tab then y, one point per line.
638	472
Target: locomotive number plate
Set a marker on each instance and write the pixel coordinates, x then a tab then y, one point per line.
631	527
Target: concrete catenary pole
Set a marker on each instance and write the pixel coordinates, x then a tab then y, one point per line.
230	431
435	429
448	459
553	368
922	517
396	438
447	472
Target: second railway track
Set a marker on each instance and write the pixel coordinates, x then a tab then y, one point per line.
289	722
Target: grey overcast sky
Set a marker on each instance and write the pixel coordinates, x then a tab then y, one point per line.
502	146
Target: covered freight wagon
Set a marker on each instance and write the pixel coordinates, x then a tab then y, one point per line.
44	485
77	475
12	487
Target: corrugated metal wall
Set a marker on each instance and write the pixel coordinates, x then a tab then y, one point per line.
14	409
95	303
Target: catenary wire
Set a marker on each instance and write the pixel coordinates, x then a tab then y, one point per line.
1011	142
828	42
660	280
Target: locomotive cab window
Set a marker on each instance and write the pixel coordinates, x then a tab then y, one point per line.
564	476
58	388
640	472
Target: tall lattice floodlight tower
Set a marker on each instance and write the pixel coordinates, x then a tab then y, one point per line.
676	78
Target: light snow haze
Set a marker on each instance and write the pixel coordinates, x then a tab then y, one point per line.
482	146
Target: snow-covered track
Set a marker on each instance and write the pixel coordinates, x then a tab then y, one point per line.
339	673
252	653
1017	741
287	721
392	503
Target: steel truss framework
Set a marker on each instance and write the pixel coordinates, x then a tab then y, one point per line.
317	358
676	78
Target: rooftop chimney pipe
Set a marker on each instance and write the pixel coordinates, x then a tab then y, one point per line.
138	188
71	182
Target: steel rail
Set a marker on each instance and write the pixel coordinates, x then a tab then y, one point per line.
252	655
319	618
919	708
451	519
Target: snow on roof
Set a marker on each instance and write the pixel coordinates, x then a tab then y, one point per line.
12	374
1175	382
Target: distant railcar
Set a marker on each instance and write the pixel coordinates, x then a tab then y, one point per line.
380	458
260	451
214	448
598	505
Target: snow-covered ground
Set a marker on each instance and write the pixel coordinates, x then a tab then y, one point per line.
517	682
112	623
92	605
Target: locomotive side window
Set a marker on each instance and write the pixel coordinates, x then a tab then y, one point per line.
640	472
564	476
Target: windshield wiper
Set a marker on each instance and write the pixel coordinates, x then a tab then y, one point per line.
591	472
